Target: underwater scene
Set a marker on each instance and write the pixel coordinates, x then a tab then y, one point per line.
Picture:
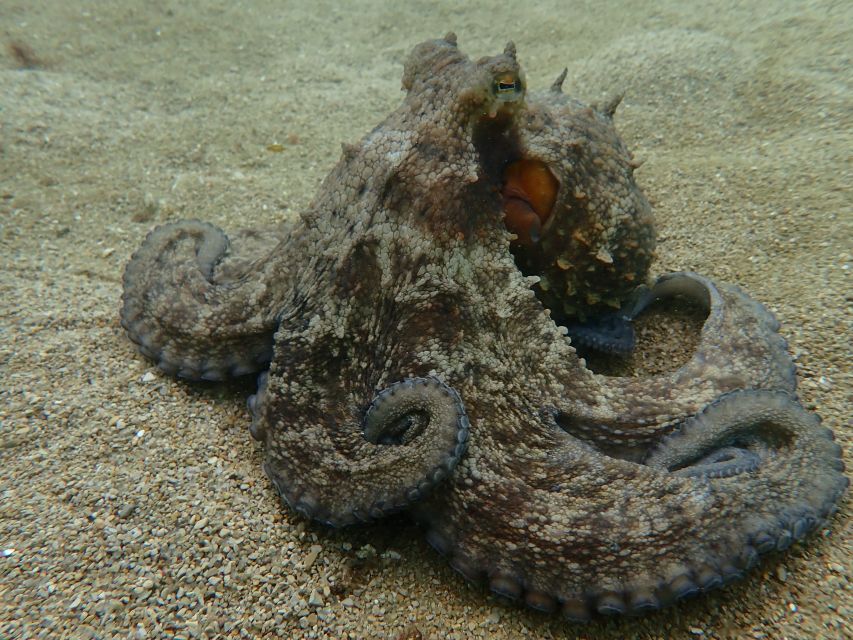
425	320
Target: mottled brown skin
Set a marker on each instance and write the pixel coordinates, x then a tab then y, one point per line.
410	337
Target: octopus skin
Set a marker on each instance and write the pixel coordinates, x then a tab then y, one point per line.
410	335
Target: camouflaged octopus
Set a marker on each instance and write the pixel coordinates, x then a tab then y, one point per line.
411	333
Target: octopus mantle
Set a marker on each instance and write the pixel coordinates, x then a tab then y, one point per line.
416	335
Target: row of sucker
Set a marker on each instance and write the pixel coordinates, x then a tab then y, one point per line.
610	333
641	599
724	462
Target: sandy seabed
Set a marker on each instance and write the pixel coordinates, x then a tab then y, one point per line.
134	505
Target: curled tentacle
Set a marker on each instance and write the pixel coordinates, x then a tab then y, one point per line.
775	447
739	340
412	436
732	434
188	307
685	523
738	348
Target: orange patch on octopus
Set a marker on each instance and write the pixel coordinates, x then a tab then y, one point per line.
529	192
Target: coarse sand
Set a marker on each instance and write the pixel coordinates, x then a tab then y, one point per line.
134	505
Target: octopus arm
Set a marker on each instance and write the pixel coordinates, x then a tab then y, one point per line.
201	309
582	533
739	348
342	465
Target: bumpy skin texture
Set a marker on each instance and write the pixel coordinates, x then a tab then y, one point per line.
414	361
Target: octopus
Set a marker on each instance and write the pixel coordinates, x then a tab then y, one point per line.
418	335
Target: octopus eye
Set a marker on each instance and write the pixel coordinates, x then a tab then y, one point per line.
508	88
